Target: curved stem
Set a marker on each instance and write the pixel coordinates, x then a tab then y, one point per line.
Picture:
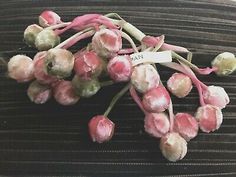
72	37
159	44
128	50
78	38
128	38
58	25
203	71
114	15
136	98
116	98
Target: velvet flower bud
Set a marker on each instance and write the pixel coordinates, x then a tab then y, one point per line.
48	18
31	33
216	96
59	62
120	68
107	42
179	85
209	118
156	99
225	63
88	64
40	72
21	68
186	125
101	129
86	88
144	77
173	147
46	40
156	124
39	93
64	93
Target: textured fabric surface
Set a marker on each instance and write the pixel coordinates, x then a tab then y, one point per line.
52	140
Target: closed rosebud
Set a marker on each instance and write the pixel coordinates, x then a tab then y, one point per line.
64	93
101	129
216	96
40	72
59	62
120	68
209	118
179	85
46	40
186	125
48	18
21	68
88	65
86	88
31	33
39	93
156	124
144	77
225	63
173	147
106	43
156	99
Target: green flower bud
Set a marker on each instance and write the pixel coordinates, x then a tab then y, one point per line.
59	62
31	33
225	63
46	39
85	88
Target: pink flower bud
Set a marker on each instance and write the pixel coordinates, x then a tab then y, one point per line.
88	64
156	99
144	77
216	96
209	117
64	93
119	68
21	68
39	93
101	129
179	85
186	125
48	18
173	147
40	70
156	124
107	43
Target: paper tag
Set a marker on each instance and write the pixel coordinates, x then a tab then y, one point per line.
151	57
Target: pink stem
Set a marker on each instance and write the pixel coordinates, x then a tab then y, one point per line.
128	50
175	48
136	98
77	39
186	70
206	71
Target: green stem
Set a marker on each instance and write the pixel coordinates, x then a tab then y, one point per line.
183	60
128	38
116	98
106	83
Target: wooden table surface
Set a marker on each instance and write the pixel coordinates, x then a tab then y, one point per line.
52	140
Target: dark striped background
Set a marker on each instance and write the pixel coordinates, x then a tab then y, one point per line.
52	140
